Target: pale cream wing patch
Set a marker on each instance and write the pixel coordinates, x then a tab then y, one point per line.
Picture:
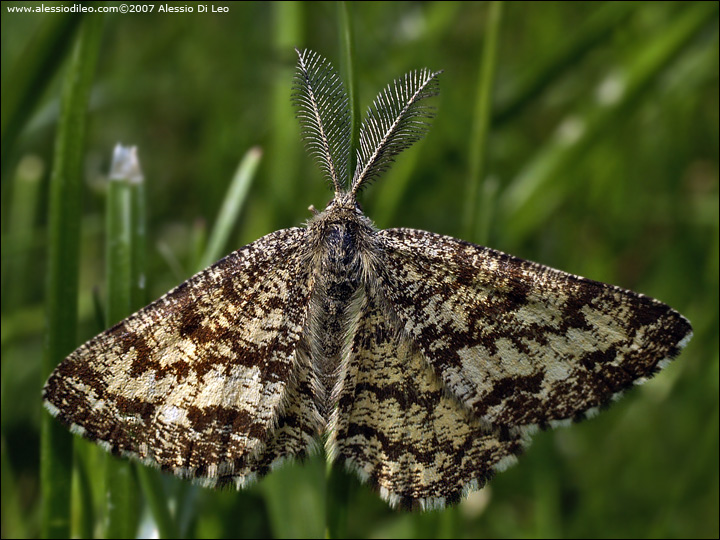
520	343
194	382
399	429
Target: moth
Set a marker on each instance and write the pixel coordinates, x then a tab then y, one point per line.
426	361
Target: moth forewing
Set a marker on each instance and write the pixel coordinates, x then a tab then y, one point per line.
194	383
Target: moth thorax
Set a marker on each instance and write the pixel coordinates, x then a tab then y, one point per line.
333	305
341	261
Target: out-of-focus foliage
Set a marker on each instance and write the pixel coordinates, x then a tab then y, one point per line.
601	160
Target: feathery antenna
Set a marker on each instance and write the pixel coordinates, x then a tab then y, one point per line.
322	108
396	120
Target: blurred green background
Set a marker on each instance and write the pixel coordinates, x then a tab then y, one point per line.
601	160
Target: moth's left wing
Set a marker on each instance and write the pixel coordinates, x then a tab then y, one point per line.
517	342
200	382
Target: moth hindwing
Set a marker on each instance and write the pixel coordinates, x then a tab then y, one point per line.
427	361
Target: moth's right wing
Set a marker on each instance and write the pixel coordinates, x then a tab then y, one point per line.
197	381
517	342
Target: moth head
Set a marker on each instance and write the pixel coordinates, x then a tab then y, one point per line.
344	203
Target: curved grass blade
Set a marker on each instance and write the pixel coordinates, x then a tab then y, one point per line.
31	74
540	187
231	207
551	66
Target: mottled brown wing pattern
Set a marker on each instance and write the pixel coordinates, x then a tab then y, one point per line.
298	426
399	429
194	381
520	343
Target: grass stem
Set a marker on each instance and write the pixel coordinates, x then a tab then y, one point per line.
56	453
121	504
481	122
347	63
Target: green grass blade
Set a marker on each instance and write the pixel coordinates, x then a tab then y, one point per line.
138	244
152	487
338	493
121	509
84	525
32	72
536	78
295	500
23	211
481	122
198	243
231	207
119	234
347	62
283	152
13	525
63	262
538	189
